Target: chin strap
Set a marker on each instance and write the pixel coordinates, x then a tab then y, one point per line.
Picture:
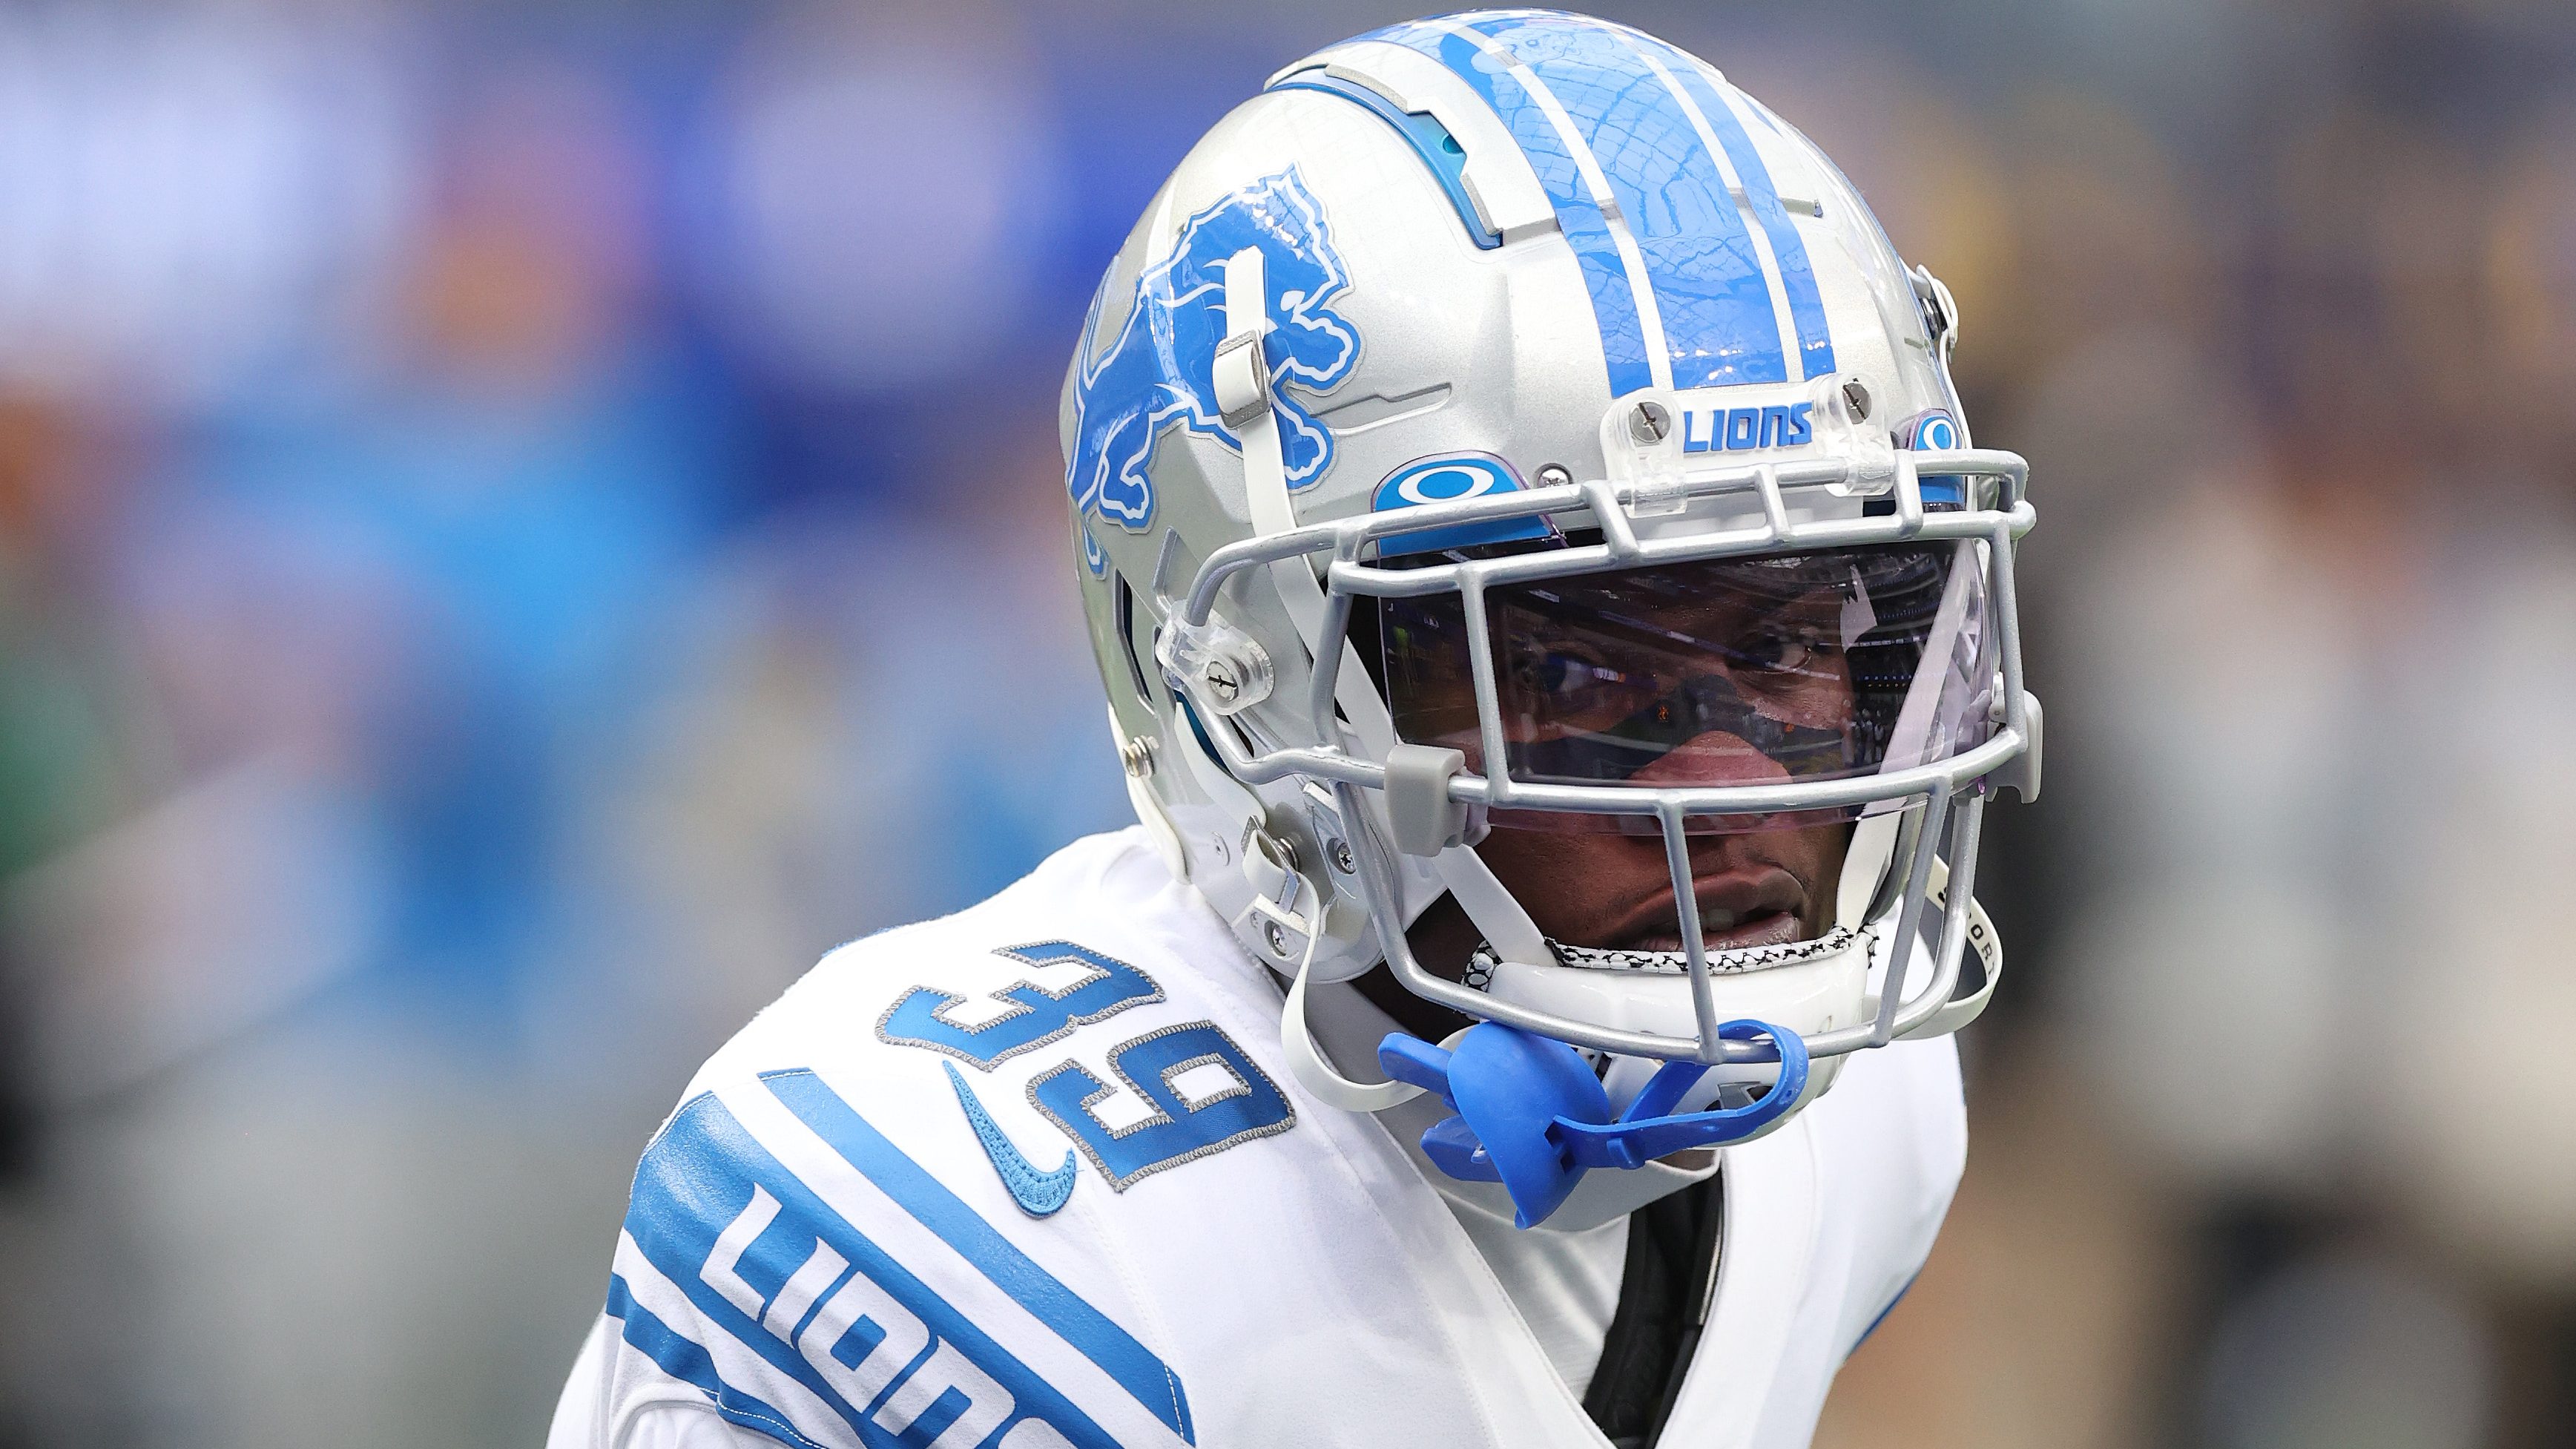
1984	948
1533	1117
1306	1063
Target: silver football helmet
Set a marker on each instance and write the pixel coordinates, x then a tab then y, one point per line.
1504	420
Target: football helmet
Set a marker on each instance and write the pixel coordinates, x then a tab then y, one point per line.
1502	419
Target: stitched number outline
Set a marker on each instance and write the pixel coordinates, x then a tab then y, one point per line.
1233	1100
1034	1015
1182	1129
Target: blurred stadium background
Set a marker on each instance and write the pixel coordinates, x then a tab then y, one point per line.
520	525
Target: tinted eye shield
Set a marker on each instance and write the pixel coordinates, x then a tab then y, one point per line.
1703	705
1617	514
1797	667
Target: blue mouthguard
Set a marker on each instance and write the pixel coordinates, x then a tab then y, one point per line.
1533	1117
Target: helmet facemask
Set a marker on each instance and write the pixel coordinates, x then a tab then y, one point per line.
1682	672
1857	668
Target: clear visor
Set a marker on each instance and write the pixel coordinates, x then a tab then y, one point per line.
1740	671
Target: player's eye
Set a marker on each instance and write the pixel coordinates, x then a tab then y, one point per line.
1566	670
1782	647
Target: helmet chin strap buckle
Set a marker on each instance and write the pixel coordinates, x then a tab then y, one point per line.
1533	1117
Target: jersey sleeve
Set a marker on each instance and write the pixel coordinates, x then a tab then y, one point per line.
684	1421
786	1274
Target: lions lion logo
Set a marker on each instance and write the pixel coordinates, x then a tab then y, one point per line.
1157	372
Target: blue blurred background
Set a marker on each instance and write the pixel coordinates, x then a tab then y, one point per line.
521	525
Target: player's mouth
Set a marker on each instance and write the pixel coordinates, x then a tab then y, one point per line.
1739	908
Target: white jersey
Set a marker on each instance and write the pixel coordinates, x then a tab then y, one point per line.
1035	1175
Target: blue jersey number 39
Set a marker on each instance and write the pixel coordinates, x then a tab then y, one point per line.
1192	1090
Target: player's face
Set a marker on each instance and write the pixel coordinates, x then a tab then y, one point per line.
1718	674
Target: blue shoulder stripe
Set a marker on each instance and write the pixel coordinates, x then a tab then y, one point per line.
1578	215
1131	1364
762	1258
690	1364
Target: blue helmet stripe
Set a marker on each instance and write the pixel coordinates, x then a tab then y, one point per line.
1720	325
1797	274
1878	229
1579	217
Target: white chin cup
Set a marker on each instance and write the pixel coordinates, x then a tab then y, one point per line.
1809	997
